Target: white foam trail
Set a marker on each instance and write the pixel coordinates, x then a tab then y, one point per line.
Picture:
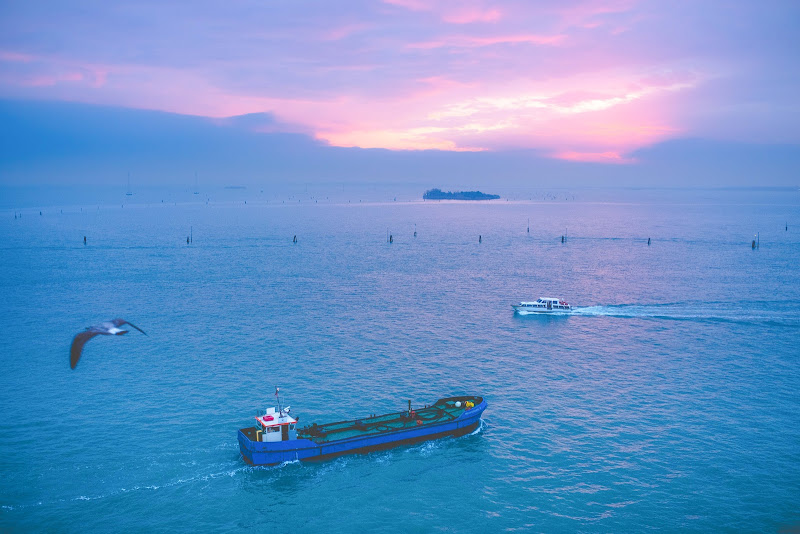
703	311
479	429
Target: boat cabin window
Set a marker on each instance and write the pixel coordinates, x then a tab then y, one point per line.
273	429
291	426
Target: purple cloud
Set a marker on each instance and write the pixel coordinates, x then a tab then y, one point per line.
569	77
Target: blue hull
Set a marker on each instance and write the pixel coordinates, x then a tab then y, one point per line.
264	453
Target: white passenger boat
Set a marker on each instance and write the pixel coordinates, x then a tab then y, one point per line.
542	305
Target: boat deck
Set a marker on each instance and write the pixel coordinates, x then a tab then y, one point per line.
442	411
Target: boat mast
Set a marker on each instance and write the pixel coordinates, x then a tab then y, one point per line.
278	400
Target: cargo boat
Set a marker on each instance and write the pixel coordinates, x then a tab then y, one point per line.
276	437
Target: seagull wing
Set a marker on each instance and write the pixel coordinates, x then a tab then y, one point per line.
77	345
120	322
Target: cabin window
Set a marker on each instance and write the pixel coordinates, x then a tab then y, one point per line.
273	429
291	426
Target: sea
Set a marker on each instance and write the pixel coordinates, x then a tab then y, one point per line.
668	400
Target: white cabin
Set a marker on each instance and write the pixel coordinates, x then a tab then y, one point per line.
544	304
276	426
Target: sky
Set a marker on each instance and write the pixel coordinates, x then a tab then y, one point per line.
605	82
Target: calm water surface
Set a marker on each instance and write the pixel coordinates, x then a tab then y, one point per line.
667	401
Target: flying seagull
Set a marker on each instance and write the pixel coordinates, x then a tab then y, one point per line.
108	328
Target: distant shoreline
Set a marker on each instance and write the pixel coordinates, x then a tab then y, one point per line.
438	194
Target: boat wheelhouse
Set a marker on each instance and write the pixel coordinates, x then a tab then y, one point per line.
542	305
276	438
275	426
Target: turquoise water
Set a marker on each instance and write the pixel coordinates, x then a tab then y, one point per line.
667	401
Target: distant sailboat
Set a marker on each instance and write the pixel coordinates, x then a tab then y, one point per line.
196	192
129	193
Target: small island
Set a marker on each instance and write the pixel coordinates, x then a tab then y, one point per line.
438	194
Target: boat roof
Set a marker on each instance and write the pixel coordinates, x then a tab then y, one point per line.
273	418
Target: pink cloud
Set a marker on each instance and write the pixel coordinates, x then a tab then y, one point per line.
580	13
461	12
347	68
420	139
669	78
584	13
100	76
622	111
342	32
463	41
45	80
15	57
569	99
414	5
439	85
45	71
445	114
597	157
547	87
467	16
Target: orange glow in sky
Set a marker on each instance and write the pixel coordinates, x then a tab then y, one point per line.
573	79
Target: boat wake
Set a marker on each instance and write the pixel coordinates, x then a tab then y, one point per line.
767	313
137	488
480	428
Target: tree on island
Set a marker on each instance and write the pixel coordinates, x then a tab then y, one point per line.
438	194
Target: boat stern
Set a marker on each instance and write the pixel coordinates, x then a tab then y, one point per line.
247	436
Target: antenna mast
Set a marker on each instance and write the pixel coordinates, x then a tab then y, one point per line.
278	400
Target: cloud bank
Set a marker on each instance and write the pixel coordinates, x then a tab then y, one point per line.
573	80
59	143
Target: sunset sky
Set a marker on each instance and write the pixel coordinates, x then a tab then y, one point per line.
591	81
